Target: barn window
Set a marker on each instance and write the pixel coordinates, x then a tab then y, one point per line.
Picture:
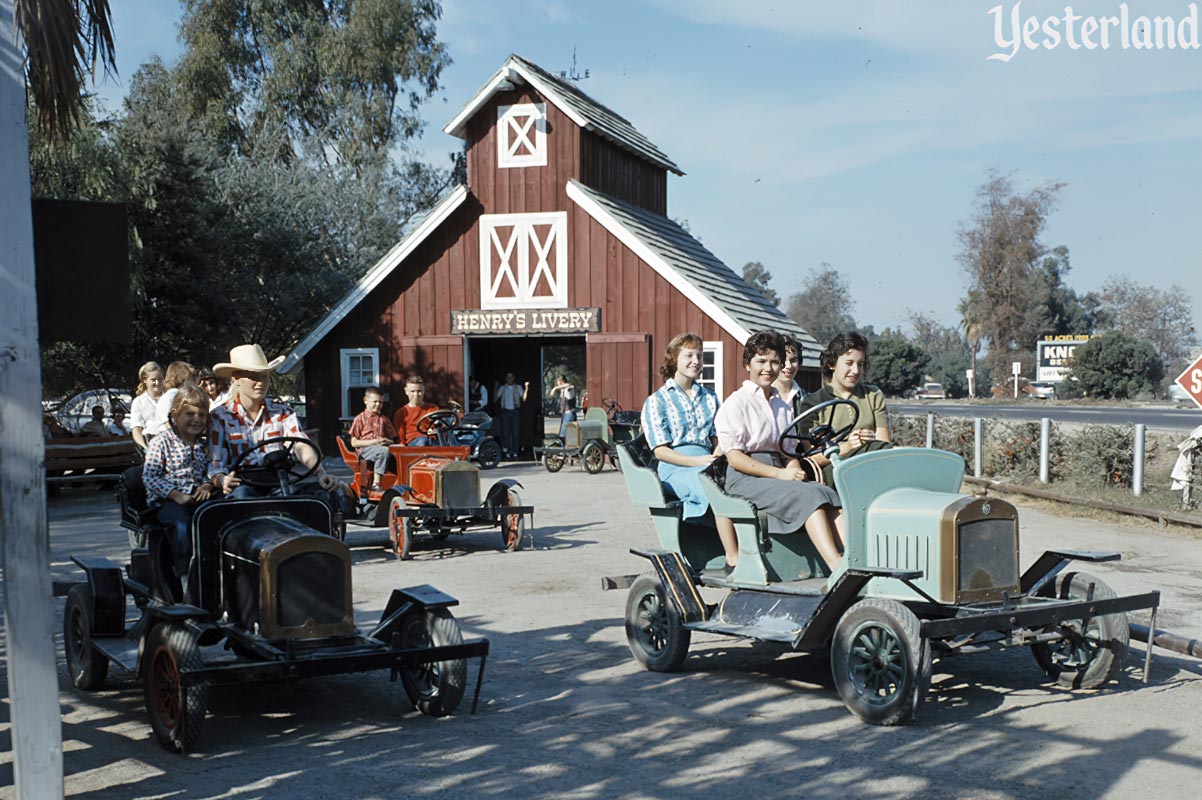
360	369
711	367
523	260
522	135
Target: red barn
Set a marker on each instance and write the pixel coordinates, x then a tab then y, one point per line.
557	256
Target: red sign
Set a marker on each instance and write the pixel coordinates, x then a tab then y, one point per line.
1191	381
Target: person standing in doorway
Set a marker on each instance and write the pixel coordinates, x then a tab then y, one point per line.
477	395
510	397
567	403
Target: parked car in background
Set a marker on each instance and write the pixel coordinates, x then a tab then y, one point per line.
1042	390
931	391
73	412
1177	394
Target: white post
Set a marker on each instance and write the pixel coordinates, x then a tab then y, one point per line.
1045	433
976	447
1137	472
930	430
37	742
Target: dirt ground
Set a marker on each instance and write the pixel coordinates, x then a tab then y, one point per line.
566	712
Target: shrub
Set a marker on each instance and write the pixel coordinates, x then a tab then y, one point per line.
1117	366
1012	450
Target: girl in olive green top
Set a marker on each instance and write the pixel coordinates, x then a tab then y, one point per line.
844	363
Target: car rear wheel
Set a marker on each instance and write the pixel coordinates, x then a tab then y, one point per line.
1092	651
653	629
880	663
400	529
176	711
513	526
436	688
88	667
489	454
592	458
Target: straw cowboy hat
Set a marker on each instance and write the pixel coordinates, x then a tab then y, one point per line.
247	358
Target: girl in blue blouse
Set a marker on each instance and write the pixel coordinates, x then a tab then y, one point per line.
678	423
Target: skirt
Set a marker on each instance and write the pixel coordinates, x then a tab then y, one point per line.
684	481
788	504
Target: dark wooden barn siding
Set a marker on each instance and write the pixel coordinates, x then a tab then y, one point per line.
617	172
515	190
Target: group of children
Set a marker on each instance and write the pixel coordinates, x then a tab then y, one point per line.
688	429
372	432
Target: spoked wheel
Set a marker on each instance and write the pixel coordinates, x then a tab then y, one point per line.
87	666
513	526
489	454
400	529
176	711
880	663
554	461
1093	650
653	630
435	688
592	458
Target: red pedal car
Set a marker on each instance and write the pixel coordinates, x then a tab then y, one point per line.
433	490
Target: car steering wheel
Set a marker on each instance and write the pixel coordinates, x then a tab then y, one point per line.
819	437
278	467
438	423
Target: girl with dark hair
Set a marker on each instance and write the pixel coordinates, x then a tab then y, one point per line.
678	423
844	363
790	390
749	426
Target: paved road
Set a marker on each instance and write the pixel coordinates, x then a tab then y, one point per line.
566	712
1173	419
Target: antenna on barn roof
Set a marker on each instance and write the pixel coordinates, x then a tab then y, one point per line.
572	74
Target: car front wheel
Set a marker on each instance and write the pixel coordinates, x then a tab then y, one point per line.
880	662
436	688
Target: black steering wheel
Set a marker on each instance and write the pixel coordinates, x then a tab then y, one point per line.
278	467
437	422
818	438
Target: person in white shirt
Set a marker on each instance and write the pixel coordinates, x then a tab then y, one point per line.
142	412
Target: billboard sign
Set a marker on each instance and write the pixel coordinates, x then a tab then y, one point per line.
1054	354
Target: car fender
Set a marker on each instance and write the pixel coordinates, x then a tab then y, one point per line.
108	595
498	493
380	517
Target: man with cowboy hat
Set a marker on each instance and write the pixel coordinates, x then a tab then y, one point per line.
250	418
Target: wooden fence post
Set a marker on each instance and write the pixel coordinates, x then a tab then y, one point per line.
28	604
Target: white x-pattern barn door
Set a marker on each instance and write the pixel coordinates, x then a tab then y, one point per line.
523	260
522	135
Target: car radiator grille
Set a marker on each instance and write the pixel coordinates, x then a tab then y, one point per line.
311	588
988	554
460	489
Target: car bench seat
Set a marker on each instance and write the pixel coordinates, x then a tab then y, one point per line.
697	542
150	558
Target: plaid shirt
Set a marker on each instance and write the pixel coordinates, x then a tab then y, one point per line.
372	425
171	463
675	418
232	432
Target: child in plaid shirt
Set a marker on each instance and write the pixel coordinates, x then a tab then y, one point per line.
175	472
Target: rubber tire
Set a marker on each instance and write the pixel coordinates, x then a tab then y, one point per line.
554	461
656	637
592	458
513	526
489	454
1105	650
400	530
176	713
440	685
892	628
87	667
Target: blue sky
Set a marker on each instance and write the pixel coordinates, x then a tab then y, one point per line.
855	132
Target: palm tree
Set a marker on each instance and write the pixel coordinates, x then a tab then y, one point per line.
65	40
60	37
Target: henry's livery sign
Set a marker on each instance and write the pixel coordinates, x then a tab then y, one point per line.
526	321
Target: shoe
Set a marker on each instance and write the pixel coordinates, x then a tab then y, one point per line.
720	572
375	487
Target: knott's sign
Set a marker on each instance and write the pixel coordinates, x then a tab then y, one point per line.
1054	355
526	321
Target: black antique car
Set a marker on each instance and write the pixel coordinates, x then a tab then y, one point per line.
269	600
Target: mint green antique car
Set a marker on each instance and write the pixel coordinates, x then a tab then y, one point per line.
927	572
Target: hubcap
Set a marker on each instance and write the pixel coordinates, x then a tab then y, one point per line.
876	663
652	623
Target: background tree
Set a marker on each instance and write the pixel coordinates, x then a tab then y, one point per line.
948	351
823	307
896	365
760	279
1115	365
1000	254
1163	319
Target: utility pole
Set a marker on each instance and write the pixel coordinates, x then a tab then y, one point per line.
37	742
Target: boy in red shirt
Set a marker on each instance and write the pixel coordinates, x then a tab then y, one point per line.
408	415
371	433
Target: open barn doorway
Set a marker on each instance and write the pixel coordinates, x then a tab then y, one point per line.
566	359
530	358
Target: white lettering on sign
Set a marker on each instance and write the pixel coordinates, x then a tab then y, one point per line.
1195	381
568	320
